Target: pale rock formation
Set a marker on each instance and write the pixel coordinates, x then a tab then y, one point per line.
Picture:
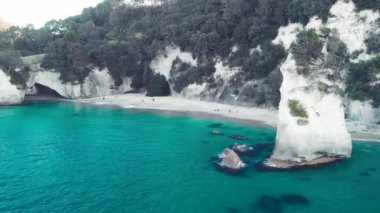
98	83
363	112
353	28
9	93
324	130
193	91
231	160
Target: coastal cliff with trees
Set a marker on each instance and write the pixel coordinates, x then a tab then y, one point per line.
216	50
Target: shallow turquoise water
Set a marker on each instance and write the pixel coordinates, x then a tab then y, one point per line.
62	157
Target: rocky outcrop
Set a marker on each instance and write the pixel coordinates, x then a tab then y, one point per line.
98	83
310	121
9	94
230	160
311	112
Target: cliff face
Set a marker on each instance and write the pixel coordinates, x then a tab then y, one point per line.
310	121
9	94
311	113
99	83
193	78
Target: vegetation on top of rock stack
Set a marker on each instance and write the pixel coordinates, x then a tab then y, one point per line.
307	47
297	110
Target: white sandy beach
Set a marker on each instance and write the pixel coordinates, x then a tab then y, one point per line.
248	114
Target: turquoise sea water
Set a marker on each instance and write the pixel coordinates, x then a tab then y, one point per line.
63	157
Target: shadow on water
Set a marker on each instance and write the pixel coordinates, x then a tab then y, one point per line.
232	210
215	125
273	204
268	204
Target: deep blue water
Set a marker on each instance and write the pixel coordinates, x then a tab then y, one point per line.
63	157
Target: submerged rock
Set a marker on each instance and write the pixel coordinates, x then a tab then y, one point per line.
215	125
304	179
204	142
295	199
216	132
269	204
365	174
372	169
239	137
232	210
243	149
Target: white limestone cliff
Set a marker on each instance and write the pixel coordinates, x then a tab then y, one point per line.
363	112
353	27
9	93
97	83
324	129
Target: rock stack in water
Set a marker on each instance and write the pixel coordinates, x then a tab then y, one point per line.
311	125
230	160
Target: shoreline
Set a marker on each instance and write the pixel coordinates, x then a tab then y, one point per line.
265	118
176	105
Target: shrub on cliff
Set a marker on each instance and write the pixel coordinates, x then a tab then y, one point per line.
297	110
